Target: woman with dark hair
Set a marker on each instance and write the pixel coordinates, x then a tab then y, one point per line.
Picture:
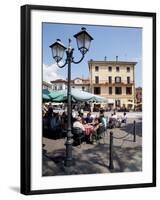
89	118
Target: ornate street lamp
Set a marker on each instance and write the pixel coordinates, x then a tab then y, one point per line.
83	40
58	49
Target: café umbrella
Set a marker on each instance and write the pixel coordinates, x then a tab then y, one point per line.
45	95
77	96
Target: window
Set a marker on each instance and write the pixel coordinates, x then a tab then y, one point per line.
128	80
109	68
110	90
118	103
117	69
96	68
117	79
97	79
128	90
60	87
128	69
97	90
118	90
110	79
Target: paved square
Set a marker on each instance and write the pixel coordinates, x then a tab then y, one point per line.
92	159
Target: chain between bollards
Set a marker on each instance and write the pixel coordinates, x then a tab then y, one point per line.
134	131
111	166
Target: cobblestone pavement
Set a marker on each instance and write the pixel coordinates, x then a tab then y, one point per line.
92	159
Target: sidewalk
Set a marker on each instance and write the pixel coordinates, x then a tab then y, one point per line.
91	159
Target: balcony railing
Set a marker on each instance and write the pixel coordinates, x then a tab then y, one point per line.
113	82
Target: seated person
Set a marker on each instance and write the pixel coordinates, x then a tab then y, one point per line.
78	124
64	121
124	118
78	130
55	121
113	120
89	118
97	124
55	125
45	123
81	115
50	110
114	116
103	120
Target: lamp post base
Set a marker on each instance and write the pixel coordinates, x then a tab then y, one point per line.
69	159
68	163
111	166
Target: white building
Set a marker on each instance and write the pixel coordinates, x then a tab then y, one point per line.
46	85
81	84
59	84
77	83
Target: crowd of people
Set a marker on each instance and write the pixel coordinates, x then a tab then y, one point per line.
55	123
90	125
116	121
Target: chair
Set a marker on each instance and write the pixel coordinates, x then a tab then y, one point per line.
78	135
101	131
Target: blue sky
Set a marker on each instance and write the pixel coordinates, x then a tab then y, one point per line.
126	43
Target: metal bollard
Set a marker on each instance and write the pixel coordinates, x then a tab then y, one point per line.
134	131
111	166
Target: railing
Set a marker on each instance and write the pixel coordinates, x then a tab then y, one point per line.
114	96
113	82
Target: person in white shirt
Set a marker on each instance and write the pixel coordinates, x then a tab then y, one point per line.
114	116
78	124
124	118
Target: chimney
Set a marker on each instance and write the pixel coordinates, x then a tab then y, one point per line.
116	58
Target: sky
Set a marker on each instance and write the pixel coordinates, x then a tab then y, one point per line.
124	42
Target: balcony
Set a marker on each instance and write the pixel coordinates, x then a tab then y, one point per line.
101	82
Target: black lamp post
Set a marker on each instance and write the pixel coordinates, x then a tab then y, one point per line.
58	49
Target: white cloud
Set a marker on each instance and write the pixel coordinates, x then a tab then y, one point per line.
50	72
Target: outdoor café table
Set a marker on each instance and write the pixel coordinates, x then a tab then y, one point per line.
88	129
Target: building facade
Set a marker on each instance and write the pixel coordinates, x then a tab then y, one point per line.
46	85
59	84
81	84
114	80
138	95
77	83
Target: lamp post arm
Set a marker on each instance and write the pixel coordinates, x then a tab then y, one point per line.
76	62
61	66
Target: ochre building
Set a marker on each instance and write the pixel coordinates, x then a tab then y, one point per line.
114	80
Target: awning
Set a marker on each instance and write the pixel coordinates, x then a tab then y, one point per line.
111	101
77	95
